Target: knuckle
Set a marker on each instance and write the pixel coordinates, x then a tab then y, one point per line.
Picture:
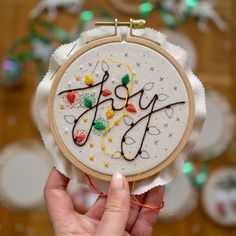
113	207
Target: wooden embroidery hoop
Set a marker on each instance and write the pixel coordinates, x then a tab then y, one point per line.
217	164
129	39
11	152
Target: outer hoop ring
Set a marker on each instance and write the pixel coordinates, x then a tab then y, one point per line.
139	41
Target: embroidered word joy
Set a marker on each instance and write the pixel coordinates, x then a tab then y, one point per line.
121	93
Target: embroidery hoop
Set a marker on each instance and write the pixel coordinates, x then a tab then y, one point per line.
133	24
27	149
217	166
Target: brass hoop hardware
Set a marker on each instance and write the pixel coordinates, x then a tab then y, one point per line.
132	24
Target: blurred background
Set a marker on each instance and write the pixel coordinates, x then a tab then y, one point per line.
200	202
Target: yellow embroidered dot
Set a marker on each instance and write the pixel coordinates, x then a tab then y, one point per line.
62	107
85	120
106	164
117	122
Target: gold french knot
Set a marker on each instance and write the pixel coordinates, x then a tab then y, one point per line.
106	164
85	119
62	107
104	148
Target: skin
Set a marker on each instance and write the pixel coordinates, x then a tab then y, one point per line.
111	216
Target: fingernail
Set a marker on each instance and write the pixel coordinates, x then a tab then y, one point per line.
117	181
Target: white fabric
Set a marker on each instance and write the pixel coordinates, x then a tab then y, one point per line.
185	42
60	56
179	204
218	130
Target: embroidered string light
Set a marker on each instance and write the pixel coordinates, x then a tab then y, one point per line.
88	102
71	97
106	92
89	80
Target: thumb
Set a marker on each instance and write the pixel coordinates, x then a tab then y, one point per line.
116	214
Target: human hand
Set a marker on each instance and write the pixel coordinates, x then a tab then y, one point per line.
108	217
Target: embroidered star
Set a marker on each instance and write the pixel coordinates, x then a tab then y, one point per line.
126	54
90	64
175	88
136	81
156	142
161	78
152	69
177	119
138	64
170	135
165	125
118	65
